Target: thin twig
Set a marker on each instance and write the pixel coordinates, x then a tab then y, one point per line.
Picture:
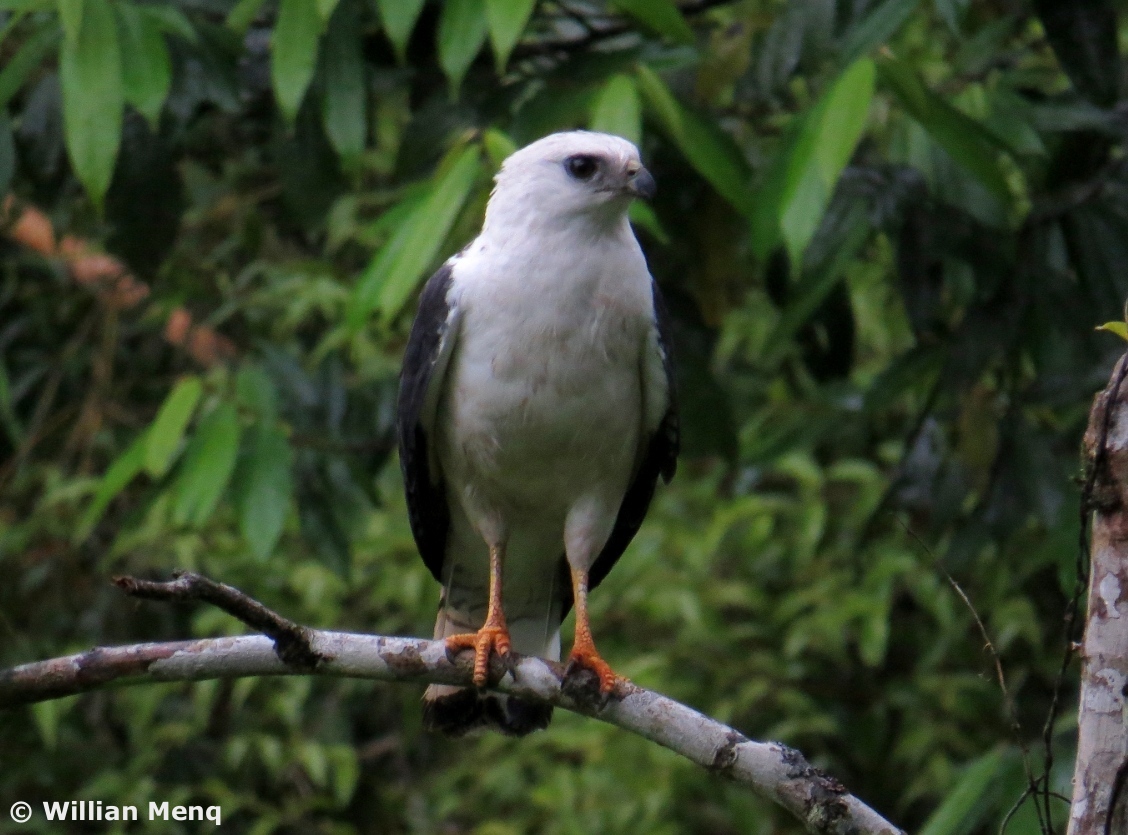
1032	787
291	641
1014	809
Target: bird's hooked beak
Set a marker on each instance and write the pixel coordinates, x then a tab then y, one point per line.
641	184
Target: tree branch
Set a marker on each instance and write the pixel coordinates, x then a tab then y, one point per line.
292	642
773	770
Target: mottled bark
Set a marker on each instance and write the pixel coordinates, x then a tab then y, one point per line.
1099	791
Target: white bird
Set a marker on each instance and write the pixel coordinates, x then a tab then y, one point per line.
536	413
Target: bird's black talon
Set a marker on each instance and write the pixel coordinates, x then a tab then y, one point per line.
580	676
582	686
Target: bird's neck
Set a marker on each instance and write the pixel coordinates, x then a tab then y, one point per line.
537	227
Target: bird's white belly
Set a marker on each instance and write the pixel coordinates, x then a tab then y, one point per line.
549	421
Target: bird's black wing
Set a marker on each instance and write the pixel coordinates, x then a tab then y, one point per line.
660	459
424	363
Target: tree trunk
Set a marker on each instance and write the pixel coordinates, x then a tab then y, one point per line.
1100	796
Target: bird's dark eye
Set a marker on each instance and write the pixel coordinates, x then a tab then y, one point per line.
581	166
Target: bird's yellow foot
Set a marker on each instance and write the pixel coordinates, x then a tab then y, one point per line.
491	636
589	659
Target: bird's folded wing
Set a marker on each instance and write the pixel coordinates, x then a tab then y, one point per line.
425	361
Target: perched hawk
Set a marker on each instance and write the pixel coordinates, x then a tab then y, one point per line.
536	413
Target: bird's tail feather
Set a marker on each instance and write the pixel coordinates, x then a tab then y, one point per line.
455	711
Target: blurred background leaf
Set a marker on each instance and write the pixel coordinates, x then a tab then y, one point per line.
293	49
90	71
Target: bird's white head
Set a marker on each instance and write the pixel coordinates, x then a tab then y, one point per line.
569	177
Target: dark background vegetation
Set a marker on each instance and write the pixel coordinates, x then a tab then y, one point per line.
886	231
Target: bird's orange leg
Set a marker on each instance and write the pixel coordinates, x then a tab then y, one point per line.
494	633
584	653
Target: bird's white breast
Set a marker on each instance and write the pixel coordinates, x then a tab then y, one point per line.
542	402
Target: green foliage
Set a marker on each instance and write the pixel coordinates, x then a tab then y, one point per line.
165	435
809	169
345	99
263	490
294	52
208	463
507	20
885	230
659	16
706	148
145	64
399	17
91	75
961	136
1118	328
462	31
389	281
617	109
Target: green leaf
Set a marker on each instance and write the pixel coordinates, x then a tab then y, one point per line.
498	146
168	427
617	109
793	197
325	9
1118	328
709	150
208	464
263	489
876	28
954	816
90	74
462	31
240	18
294	53
345	101
965	140
146	66
660	16
30	55
124	469
1010	122
70	16
170	20
507	19
825	144
400	264
399	18
256	393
